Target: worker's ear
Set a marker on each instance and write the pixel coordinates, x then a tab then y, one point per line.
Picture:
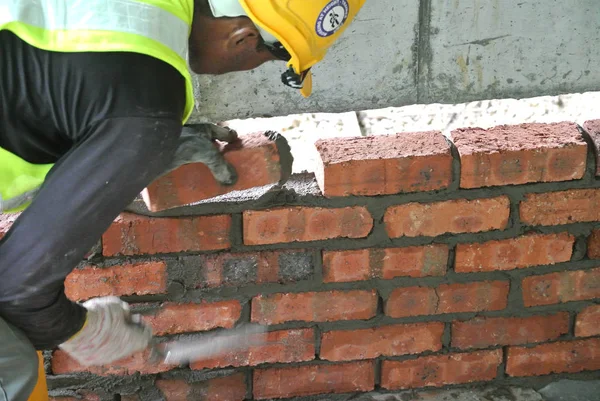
243	38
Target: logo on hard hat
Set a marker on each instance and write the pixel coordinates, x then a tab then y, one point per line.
332	17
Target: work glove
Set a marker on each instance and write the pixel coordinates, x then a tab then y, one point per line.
110	333
197	145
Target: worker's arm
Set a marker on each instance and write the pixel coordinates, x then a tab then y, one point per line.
111	123
81	197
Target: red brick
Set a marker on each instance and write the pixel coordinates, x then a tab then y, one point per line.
314	306
558	357
367	264
236	269
228	388
62	363
6	222
281	347
184	318
563	207
316	379
254	157
484	332
295	224
136	235
587	323
455	216
139	279
519	154
526	251
593	129
401	339
384	164
593	246
441	370
560	287
447	298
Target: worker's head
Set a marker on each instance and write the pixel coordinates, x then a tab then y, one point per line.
239	35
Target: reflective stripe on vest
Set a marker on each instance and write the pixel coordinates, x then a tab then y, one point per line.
157	28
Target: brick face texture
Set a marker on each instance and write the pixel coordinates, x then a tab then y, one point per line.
182	318
235	269
135	235
425	279
486	332
314	306
227	388
254	157
318	379
447	298
588	322
139	279
394	340
526	251
366	264
456	216
441	370
384	164
305	224
562	207
137	363
561	287
508	155
559	357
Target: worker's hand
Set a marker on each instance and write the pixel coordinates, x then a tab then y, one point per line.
197	145
109	334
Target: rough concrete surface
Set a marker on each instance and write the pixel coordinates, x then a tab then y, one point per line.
397	53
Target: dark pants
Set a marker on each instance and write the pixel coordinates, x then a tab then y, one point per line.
110	122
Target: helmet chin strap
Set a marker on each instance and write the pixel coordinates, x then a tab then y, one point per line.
233	8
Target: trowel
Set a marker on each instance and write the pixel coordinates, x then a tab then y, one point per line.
210	345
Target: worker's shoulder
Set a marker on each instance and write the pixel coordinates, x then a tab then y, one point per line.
130	84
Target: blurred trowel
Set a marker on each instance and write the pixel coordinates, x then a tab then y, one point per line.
208	346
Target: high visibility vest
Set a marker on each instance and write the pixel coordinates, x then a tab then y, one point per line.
157	28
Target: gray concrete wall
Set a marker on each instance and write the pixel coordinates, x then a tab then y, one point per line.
400	52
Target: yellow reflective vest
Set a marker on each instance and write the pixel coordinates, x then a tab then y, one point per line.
157	28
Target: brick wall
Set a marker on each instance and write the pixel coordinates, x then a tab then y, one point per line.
408	261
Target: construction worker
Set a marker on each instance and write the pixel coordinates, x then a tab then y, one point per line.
95	96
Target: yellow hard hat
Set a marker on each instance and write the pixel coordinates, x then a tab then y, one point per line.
297	31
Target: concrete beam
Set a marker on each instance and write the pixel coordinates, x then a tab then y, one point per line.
432	51
493	49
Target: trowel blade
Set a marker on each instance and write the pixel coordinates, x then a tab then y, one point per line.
186	351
